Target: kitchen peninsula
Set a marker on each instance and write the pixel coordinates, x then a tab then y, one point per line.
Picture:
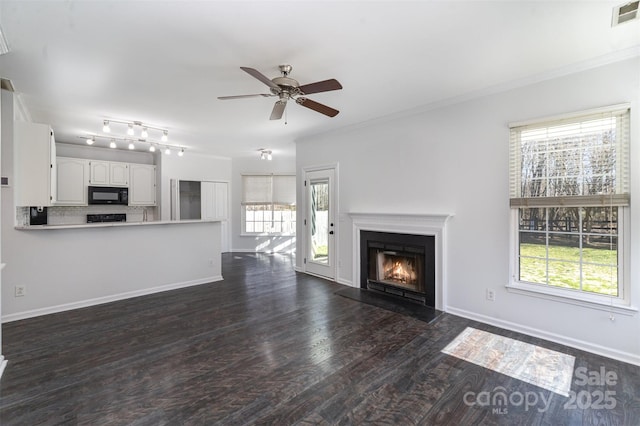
65	267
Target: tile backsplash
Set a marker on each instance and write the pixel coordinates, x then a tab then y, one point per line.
76	215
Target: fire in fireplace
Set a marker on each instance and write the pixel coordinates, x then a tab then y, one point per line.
398	269
399	264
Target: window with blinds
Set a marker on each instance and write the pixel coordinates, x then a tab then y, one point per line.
569	181
269	204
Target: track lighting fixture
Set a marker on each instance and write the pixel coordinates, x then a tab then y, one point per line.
134	144
131	125
265	154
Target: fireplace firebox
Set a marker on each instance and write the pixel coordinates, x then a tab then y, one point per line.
399	264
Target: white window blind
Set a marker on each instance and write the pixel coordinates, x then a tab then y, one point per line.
268	189
284	189
572	162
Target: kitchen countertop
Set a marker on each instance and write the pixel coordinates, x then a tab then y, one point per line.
111	224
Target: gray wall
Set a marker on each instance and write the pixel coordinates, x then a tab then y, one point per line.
454	159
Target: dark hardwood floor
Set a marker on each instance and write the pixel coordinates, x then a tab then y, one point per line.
272	346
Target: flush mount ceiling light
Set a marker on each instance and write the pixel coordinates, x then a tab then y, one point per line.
265	154
625	12
131	125
134	144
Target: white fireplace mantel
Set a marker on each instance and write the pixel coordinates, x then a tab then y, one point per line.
418	224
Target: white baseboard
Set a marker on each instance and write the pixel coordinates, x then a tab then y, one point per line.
557	338
345	282
261	251
106	299
3	364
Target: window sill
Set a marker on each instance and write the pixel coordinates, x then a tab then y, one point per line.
266	234
602	303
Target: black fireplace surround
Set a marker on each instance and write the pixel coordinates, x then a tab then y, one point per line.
399	264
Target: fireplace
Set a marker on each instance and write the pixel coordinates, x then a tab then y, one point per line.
399	264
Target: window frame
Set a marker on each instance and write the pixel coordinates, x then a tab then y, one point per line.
619	303
266	201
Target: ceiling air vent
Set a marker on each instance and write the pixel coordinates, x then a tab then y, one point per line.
625	13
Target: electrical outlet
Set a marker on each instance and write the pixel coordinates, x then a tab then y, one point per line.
491	295
20	291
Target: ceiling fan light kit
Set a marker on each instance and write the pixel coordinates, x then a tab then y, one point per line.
286	88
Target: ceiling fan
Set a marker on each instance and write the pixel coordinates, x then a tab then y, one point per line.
286	88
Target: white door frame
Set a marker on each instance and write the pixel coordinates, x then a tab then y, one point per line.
335	200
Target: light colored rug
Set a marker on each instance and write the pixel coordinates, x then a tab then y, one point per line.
538	366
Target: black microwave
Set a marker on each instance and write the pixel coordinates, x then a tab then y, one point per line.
108	195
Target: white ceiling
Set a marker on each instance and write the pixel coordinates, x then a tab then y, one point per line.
75	63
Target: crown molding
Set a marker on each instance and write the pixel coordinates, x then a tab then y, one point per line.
610	58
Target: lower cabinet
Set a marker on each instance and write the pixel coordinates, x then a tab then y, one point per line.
142	185
72	181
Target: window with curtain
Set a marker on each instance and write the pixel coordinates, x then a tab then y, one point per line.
269	204
569	190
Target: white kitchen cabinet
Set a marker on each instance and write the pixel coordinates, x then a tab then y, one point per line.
118	174
108	173
72	181
142	185
35	171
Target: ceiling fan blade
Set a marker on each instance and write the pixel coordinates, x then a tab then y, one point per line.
245	96
278	110
322	109
257	74
320	86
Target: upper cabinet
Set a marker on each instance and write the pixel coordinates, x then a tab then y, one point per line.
35	154
108	173
73	179
142	185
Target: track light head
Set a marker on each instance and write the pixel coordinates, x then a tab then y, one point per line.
165	136
130	129
105	126
113	144
145	133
